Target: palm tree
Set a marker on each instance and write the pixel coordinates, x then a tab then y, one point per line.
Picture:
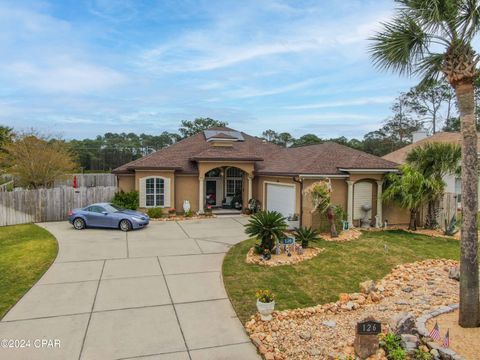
435	160
433	38
268	227
411	190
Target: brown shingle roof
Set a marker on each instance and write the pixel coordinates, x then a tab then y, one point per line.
326	158
399	156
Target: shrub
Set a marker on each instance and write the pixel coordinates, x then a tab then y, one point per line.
126	200
422	355
188	213
268	227
155	213
305	235
393	346
265	296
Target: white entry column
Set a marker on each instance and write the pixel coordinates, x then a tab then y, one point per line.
250	191
201	191
350	203
379	203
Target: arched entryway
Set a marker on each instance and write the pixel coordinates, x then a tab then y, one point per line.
226	187
365	191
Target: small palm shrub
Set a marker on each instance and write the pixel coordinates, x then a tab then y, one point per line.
155	213
126	200
268	227
305	235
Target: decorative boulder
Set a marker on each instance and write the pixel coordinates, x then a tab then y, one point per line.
367	287
403	323
454	273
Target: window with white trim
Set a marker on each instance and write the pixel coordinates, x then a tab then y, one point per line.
234	181
154	191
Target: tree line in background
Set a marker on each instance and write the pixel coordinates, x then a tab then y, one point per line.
430	106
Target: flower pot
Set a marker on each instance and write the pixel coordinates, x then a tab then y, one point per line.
265	310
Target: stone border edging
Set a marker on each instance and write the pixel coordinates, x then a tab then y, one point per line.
420	324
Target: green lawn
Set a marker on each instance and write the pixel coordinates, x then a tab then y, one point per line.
26	252
340	268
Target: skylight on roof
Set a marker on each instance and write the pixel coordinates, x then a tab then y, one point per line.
223	135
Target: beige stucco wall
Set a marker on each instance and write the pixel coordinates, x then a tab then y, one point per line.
338	197
126	183
206	166
395	214
186	188
166	174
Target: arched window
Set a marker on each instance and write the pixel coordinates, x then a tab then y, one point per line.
155	192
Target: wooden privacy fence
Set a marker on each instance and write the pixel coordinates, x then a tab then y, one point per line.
88	180
25	206
448	208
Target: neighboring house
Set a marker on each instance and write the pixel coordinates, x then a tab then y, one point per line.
453	188
453	182
219	165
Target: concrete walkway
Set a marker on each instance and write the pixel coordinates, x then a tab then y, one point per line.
155	293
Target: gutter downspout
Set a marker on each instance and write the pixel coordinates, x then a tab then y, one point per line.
299	180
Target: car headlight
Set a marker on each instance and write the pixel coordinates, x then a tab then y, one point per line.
137	218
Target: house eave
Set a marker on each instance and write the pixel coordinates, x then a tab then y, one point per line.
369	171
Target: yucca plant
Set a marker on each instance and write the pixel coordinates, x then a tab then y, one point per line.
268	227
305	235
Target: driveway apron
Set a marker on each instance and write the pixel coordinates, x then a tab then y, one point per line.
155	293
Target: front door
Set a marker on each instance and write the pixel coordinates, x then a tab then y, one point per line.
211	192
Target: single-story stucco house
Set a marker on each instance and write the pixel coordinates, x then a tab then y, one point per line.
217	165
453	183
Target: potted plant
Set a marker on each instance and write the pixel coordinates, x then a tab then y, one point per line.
172	212
265	304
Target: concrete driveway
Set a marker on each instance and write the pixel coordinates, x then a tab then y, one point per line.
156	293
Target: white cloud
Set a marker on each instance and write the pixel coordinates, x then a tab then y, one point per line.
64	75
342	103
224	44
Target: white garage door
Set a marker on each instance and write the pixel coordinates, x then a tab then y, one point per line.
362	195
281	198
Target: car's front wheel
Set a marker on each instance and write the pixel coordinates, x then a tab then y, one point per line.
79	224
125	225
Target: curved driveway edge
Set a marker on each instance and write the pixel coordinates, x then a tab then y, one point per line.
156	293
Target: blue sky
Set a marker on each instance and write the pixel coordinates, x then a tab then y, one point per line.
79	68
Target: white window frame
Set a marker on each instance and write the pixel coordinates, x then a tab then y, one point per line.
157	196
237	182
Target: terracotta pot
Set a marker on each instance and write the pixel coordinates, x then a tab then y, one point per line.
265	310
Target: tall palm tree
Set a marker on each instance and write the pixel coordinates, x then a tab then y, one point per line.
412	190
435	160
433	38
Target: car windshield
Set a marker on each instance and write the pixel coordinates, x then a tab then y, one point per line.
112	208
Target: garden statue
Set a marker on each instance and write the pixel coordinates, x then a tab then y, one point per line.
365	221
186	206
331	220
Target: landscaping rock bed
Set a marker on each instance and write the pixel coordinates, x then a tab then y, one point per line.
346	235
283	258
328	331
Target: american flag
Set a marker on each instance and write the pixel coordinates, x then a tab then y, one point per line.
446	341
435	333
